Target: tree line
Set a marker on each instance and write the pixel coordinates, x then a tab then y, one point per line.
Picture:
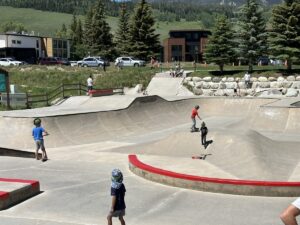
250	38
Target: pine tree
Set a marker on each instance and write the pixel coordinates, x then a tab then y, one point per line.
88	30
144	41
122	34
99	36
220	47
284	36
252	36
63	32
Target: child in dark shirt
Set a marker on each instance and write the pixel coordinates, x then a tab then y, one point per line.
204	132
118	197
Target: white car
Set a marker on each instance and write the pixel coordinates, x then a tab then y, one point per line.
130	61
9	62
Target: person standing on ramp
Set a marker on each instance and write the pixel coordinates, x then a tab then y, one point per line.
193	117
38	133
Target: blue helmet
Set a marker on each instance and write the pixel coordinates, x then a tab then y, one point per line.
116	176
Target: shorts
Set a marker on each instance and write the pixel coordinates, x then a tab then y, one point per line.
40	144
296	203
117	213
90	88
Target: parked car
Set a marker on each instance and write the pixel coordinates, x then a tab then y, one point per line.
48	61
62	61
90	62
107	63
10	62
130	61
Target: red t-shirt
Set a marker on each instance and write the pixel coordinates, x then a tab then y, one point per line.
194	113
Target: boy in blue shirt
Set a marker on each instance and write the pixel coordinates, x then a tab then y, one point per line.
118	197
38	133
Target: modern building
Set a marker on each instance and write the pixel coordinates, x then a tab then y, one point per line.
185	45
30	48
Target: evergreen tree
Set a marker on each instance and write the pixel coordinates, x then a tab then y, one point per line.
73	27
144	41
88	30
122	34
63	32
98	36
252	36
220	47
284	37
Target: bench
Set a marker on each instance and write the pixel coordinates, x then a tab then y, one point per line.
105	92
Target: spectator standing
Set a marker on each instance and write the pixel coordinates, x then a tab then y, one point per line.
90	83
152	62
118	197
247	79
38	133
204	132
193	117
288	216
237	90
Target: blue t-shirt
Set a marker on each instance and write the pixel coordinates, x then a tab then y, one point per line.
37	133
120	197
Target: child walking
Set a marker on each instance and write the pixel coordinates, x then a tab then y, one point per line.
204	132
118	197
38	133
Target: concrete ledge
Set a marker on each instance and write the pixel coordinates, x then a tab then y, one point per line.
217	185
16	191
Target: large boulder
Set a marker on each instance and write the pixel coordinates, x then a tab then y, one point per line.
206	85
191	83
207	92
230	79
250	92
216	79
242	85
255	85
198	91
219	92
214	85
291	92
296	85
291	78
222	85
199	84
253	79
197	79
264	84
207	79
275	84
287	84
298	78
230	85
188	78
272	79
224	79
280	79
262	79
228	92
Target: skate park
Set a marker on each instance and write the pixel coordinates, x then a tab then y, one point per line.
255	139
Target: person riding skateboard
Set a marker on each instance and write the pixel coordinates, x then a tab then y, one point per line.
193	117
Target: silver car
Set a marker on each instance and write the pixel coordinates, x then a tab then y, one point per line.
91	62
129	61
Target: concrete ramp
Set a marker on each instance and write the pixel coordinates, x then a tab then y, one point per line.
165	85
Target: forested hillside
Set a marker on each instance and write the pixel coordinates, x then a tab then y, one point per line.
164	10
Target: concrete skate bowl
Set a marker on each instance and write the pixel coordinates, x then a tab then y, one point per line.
249	140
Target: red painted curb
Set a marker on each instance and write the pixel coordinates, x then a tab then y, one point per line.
33	183
136	162
3	195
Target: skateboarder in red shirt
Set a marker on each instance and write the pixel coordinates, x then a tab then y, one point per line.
193	117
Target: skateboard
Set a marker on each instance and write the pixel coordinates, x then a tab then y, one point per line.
195	130
201	156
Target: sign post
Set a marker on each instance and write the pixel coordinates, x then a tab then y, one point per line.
4	85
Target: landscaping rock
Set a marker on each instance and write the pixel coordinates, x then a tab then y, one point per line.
216	79
224	79
191	83
242	85
275	84
214	85
291	78
250	92
222	85
208	92
255	85
298	78
230	85
280	79
206	85
207	79
287	84
197	79
284	91
296	85
219	92
253	79
262	79
291	92
198	91
199	84
188	78
228	92
230	79
272	79
264	84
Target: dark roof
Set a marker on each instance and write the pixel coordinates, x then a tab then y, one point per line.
190	30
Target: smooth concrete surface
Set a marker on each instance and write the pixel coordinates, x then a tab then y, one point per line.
249	142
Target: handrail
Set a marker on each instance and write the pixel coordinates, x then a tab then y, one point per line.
61	91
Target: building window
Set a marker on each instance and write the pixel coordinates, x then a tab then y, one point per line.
19	42
13	41
59	43
176	52
37	44
65	44
54	43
